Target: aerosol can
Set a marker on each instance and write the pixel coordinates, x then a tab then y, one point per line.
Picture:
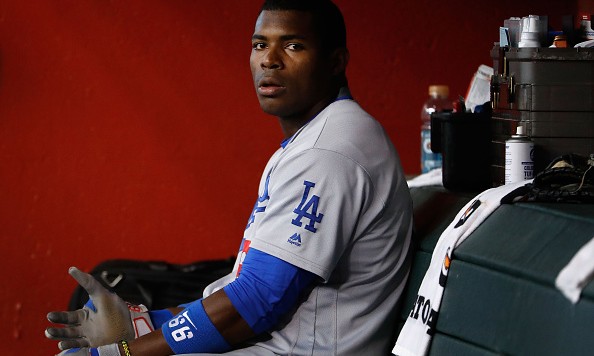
519	157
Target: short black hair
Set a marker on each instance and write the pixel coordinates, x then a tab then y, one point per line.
327	19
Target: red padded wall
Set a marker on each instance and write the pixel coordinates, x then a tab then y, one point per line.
130	129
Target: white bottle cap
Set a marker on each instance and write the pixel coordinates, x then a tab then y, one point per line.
520	130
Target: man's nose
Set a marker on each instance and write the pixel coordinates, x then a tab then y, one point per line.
272	59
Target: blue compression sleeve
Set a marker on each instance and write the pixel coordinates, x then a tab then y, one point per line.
266	289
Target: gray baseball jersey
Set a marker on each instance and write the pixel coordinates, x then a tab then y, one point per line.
333	201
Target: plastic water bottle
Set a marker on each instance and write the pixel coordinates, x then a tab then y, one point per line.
586	28
437	101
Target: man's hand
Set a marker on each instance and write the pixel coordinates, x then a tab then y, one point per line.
108	350
105	319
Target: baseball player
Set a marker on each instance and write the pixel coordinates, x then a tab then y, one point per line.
325	253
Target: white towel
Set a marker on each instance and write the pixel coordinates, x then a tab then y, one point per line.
578	273
433	177
419	327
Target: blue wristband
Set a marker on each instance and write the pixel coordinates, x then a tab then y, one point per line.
160	317
191	331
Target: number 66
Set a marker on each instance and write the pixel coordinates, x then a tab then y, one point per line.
182	334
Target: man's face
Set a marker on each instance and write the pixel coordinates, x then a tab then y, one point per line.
292	77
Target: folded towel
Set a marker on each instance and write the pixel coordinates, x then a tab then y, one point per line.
415	337
433	177
578	273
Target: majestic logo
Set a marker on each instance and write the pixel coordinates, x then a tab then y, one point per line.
471	209
295	239
257	207
308	208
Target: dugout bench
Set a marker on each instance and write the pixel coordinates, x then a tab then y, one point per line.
500	296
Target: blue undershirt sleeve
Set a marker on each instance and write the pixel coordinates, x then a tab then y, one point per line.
267	288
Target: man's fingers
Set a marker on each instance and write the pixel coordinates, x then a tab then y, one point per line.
73	344
84	279
67	318
74	352
63	333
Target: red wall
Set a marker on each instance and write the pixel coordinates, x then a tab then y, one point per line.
130	129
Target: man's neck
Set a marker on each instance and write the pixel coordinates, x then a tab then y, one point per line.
290	126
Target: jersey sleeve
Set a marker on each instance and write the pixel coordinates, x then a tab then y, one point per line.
315	201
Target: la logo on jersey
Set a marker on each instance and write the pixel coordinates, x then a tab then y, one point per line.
308	209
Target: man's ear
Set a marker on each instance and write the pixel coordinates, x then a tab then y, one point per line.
340	60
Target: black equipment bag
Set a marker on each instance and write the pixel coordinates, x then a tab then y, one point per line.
156	284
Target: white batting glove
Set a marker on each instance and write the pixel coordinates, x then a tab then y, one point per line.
108	350
105	319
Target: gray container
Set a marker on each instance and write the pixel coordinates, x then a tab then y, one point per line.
571	98
551	92
545	66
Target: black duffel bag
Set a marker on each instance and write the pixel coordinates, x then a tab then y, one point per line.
156	284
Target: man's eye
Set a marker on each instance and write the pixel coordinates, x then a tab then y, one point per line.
294	46
258	45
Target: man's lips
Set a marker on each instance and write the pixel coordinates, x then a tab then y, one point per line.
270	87
270	91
